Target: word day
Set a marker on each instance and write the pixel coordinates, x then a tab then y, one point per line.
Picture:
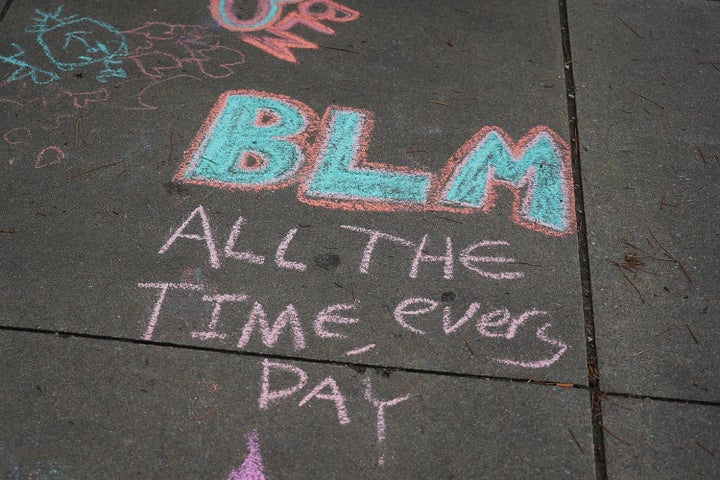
468	257
328	390
269	29
261	141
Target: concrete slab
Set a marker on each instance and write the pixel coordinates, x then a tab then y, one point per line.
76	408
95	192
646	76
682	441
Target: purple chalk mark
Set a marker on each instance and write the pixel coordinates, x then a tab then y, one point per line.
211	332
280	253
206	236
360	350
542	335
268	396
230	245
372	241
467	259
335	396
380	405
163	288
421	256
252	467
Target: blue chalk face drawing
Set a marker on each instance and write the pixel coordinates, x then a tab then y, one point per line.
69	43
24	69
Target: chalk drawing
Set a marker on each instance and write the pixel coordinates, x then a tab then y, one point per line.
24	69
280	253
270	396
341	176
206	236
375	235
267	395
154	54
538	165
244	125
218	300
230	245
544	363
69	43
335	396
361	350
269	28
381	425
259	141
252	467
49	156
288	317
328	315
162	288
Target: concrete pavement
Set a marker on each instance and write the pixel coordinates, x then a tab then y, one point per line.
345	239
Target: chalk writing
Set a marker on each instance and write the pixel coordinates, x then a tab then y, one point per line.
269	29
335	322
257	141
481	265
252	467
288	320
269	396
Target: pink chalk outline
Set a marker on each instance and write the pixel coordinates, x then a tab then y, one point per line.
520	202
300	140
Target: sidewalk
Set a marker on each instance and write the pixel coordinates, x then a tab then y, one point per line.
359	239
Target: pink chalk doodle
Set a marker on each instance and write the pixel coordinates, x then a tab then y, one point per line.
269	27
206	236
381	405
154	54
252	467
49	156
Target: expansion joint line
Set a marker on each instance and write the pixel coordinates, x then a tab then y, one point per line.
593	371
5	9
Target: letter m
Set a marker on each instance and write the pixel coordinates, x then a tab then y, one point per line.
536	170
